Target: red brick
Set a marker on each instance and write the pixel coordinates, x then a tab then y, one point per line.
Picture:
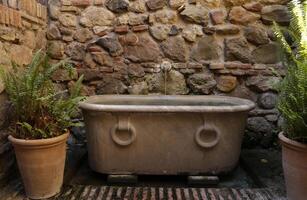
237	65
2	14
7	16
121	29
38	10
216	66
44	12
139	28
93	49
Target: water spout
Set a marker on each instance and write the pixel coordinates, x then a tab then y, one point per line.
166	67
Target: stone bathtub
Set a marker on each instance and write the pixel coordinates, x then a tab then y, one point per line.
189	135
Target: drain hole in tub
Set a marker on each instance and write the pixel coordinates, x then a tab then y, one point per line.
208	136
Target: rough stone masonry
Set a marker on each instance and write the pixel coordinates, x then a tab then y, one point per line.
218	47
221	47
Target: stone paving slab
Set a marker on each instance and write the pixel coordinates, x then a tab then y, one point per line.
152	193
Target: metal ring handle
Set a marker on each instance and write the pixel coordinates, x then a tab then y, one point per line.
119	141
204	144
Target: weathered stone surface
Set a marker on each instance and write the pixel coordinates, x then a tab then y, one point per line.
56	49
271	118
90	74
201	83
210	3
53	33
176	3
191	32
165	16
155	4
118	6
64	75
21	55
7	34
207	48
196	13
227	29
28	39
101	30
274	1
237	49
159	32
137	6
136	70
226	83
235	2
277	13
83	34
218	16
259	124
262	83
175	83
76	51
253	6
111	44
111	85
89	62
102	58
138	88
68	20
122	19
256	35
129	39
267	54
144	50
244	92
96	16
54	10
175	49
238	15
174	30
137	19
4	57
268	100
66	31
41	39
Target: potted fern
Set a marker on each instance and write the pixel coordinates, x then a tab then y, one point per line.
41	118
293	101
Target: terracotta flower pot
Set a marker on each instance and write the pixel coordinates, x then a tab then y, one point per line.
294	158
41	164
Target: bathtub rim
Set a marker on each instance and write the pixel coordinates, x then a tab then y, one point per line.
243	105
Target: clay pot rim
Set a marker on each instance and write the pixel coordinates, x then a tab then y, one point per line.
39	142
292	144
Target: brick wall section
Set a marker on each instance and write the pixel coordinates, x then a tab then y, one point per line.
22	32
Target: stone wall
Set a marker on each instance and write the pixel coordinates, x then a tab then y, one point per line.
22	32
221	47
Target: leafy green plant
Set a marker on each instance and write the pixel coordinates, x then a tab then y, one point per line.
293	89
40	111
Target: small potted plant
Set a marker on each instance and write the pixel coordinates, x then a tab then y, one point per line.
293	101
41	118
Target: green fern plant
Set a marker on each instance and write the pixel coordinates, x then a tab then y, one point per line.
293	89
40	111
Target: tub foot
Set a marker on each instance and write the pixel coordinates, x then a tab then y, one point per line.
112	178
203	180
